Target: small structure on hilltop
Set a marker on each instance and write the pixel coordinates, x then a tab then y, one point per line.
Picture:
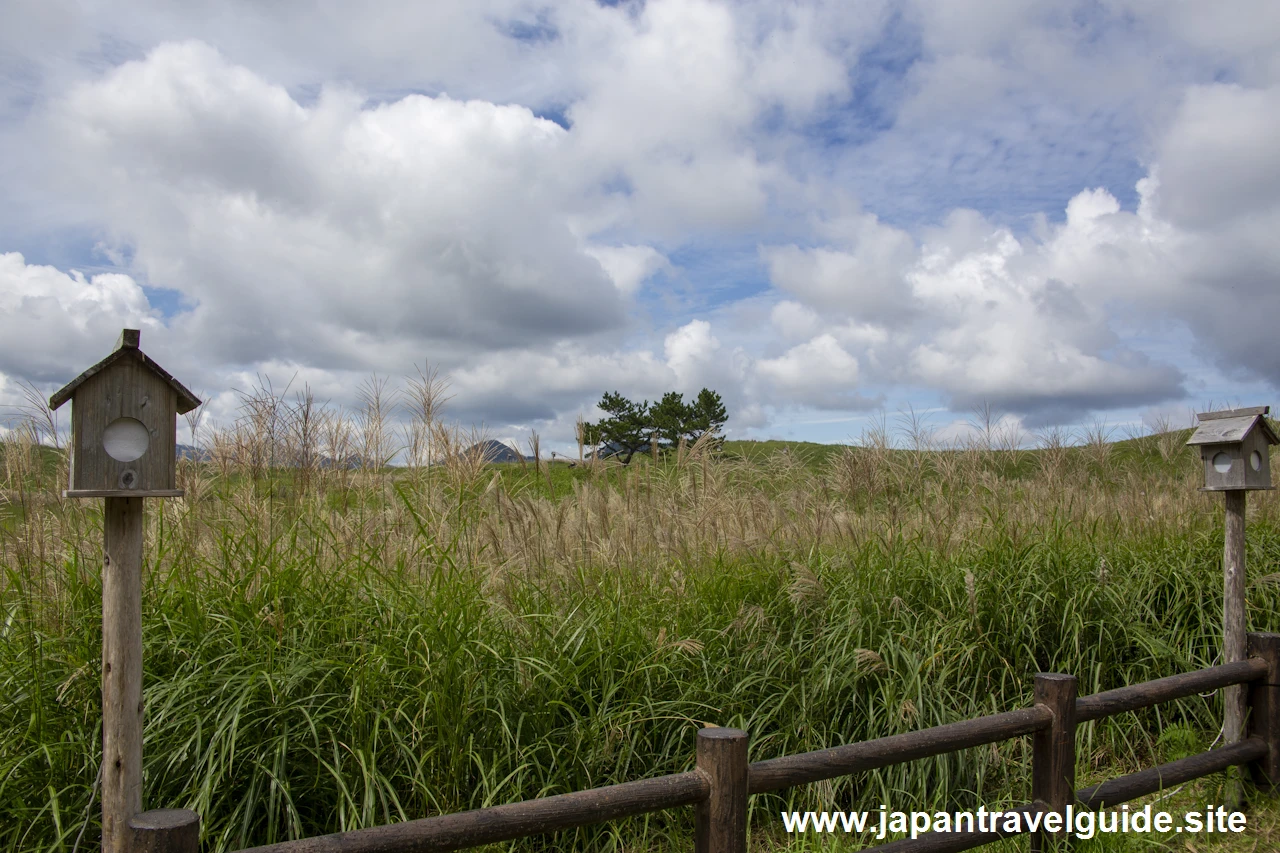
124	424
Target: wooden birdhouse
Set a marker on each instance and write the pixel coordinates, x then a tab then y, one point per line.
124	425
1234	447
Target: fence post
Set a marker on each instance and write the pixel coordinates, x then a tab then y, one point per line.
1264	709
121	670
166	831
1233	613
722	817
1053	757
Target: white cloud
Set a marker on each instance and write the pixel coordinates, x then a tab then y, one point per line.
673	91
861	278
980	314
691	353
816	373
296	174
792	320
451	216
45	305
1218	160
628	266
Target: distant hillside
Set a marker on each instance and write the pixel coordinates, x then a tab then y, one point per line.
186	451
808	451
492	450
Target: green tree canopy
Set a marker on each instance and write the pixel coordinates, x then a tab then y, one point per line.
632	427
627	427
707	415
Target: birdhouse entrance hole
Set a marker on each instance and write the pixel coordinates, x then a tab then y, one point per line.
125	439
1221	463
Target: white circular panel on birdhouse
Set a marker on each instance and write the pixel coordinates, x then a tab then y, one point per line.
1255	461
1222	462
125	439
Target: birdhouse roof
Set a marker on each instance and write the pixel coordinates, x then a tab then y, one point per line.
1232	426
127	347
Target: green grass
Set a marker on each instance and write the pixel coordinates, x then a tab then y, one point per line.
400	644
813	455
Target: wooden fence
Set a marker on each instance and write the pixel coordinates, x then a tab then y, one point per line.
723	779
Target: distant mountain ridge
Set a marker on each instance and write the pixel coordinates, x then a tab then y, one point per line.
492	450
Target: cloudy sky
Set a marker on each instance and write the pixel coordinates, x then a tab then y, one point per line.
1069	211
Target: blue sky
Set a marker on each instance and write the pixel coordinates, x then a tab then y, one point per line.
823	210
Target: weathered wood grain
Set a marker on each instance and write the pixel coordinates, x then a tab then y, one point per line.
121	671
1233	614
1053	749
1233	624
127	390
1264	710
166	831
126	348
721	819
1233	413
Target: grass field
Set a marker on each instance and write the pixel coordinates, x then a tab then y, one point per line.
330	647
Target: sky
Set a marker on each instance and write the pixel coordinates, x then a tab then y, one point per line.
828	212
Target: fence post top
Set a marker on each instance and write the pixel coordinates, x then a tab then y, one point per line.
1265	645
164	819
720	733
1054	676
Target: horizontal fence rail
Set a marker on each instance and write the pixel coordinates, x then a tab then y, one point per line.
895	749
1112	702
509	822
1126	788
722	781
1105	795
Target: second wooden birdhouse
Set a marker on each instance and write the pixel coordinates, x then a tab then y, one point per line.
1234	446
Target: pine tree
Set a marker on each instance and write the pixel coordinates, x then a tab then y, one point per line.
633	427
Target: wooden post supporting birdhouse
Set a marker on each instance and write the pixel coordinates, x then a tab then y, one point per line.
124	426
1234	450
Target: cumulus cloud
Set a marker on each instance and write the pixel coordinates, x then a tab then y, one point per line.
982	315
628	266
689	350
43	304
861	277
567	380
800	205
817	373
333	232
793	320
1029	322
1217	161
670	106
